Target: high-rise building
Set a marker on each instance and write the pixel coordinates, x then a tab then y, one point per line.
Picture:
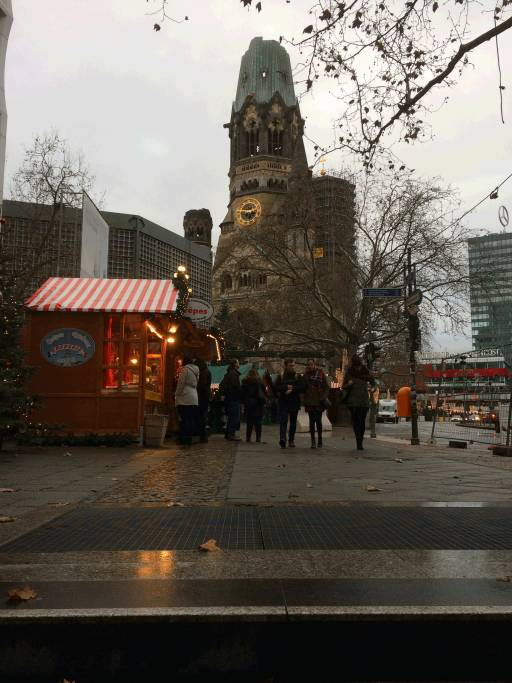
5	28
490	273
268	166
40	241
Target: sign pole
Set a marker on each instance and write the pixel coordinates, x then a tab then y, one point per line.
410	287
373	433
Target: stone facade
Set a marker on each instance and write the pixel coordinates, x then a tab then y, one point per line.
197	227
267	161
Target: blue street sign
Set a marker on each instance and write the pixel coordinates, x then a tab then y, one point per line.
392	292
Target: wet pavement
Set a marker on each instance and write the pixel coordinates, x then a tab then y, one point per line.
390	513
406	548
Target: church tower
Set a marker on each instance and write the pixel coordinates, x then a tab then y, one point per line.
266	147
265	133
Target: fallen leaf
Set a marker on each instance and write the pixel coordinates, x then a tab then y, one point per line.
59	504
5	518
209	545
115	479
505	579
25	593
370	488
398	460
309	486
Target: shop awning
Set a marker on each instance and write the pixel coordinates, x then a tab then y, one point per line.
102	294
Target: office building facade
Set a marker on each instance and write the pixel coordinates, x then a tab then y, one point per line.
40	241
490	274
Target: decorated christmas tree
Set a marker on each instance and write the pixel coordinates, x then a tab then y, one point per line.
15	402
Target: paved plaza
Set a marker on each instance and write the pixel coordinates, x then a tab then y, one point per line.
392	532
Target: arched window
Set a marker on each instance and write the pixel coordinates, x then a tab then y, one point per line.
262	280
253	139
226	283
275	139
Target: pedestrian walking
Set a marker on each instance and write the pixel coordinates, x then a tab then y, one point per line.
186	400
355	386
204	385
231	389
315	400
288	388
253	398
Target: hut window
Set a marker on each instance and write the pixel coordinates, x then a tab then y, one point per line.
153	386
122	352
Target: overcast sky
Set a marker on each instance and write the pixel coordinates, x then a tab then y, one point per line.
147	108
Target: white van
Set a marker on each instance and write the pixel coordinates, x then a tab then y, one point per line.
387	410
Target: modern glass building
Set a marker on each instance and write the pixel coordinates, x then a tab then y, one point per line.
490	272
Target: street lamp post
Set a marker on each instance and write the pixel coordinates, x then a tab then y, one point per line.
411	306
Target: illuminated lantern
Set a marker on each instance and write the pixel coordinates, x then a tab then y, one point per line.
403	402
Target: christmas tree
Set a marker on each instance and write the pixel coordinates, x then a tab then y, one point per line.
15	403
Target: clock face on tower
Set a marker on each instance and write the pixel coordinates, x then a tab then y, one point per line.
248	212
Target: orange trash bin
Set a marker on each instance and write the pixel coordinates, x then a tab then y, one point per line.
403	402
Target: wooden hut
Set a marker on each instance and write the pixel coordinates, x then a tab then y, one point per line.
107	352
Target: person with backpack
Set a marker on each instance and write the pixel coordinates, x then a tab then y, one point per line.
186	400
231	389
315	400
288	388
253	398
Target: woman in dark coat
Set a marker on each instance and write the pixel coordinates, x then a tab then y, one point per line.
315	399
253	398
358	398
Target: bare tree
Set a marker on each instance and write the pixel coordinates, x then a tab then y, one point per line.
323	308
51	173
50	179
390	58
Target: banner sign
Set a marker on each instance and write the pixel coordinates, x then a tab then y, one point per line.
198	310
95	231
67	347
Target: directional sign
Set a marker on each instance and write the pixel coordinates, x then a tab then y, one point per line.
380	292
414	299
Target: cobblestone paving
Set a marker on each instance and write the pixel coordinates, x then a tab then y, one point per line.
198	475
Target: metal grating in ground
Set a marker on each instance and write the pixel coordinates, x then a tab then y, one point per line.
386	528
286	528
143	529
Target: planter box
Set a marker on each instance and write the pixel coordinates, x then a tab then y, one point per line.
155	428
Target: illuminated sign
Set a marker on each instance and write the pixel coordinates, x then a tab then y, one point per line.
67	347
198	310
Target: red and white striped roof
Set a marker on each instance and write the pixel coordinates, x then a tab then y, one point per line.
101	294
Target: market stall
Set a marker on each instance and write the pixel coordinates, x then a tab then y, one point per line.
106	352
